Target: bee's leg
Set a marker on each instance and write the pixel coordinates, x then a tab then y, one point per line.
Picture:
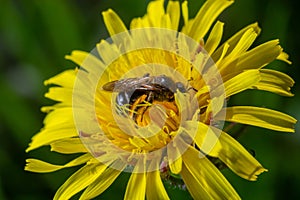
191	88
146	75
150	97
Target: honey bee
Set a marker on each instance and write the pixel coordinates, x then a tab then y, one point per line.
160	88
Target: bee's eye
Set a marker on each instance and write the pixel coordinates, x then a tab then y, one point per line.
164	81
180	87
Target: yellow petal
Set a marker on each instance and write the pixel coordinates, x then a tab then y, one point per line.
59	124
138	142
77	57
284	57
185	106
69	146
188	23
155	188
244	43
79	180
65	79
166	22
136	187
140	23
261	117
173	10
205	138
100	184
185	12
39	166
224	51
259	56
136	23
60	94
242	46
196	189
240	82
275	81
214	38
86	60
60	118
155	12
232	42
174	158
237	158
108	52
208	176
48	109
214	107
183	67
113	22
46	137
210	10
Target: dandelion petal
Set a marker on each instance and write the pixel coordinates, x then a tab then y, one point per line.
261	117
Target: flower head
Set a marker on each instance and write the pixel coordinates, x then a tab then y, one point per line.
152	101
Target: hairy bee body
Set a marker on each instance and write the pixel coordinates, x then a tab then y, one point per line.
160	88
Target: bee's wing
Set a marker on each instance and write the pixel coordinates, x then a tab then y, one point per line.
125	84
110	86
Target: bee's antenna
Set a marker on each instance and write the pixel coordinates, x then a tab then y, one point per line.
190	88
146	75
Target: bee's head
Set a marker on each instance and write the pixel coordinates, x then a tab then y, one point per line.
165	82
180	87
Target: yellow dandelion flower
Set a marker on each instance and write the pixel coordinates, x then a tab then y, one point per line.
151	101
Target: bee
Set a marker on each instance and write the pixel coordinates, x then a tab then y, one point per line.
160	88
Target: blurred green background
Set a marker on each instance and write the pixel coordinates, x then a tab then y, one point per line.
34	37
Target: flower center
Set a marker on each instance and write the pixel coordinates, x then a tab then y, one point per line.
163	113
